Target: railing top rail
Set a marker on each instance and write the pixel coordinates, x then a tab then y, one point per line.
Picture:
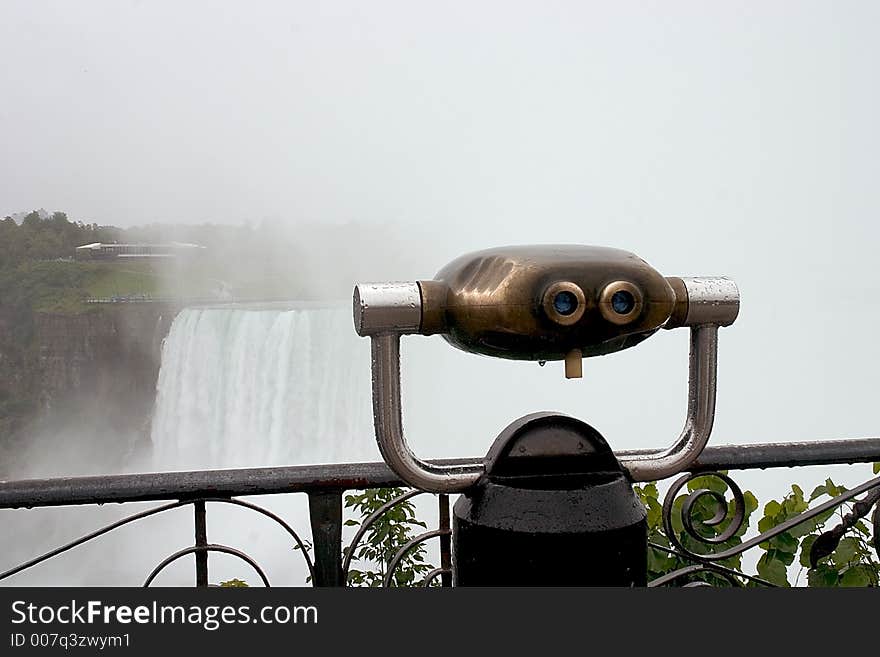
64	491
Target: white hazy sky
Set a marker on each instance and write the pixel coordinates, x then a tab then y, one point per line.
736	138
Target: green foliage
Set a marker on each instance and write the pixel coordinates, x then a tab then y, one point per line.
661	562
852	562
33	279
47	239
234	583
382	540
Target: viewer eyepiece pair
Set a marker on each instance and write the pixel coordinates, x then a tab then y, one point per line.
619	302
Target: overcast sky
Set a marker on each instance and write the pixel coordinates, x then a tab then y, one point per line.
736	138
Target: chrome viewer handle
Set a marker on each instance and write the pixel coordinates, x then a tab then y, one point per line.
385	311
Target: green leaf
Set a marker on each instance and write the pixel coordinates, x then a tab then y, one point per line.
818	491
845	551
784	543
772	570
822	576
655	515
806	544
833	489
677	526
659	562
708	482
785	557
767	523
876	468
751	502
855	576
772	509
795	503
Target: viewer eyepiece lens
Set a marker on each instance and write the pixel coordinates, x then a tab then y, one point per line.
622	302
565	302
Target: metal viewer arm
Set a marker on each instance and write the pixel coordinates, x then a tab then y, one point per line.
702	368
389	427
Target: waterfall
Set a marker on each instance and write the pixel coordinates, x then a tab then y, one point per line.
242	386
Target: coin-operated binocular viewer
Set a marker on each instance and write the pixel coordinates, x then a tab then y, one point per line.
551	503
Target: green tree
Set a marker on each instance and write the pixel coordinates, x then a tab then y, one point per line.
384	538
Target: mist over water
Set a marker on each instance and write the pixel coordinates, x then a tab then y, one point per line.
253	387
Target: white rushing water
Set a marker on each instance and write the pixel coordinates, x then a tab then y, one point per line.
240	387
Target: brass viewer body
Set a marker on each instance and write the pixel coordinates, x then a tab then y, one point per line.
540	303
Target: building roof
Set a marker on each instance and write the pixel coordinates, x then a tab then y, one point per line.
170	245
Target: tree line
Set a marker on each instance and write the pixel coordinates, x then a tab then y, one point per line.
47	238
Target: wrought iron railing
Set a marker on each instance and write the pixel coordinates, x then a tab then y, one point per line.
328	563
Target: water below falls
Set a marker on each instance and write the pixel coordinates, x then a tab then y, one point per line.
240	387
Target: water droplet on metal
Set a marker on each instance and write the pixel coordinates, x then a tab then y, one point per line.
542	363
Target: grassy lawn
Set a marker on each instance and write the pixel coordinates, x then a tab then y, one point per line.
61	287
106	280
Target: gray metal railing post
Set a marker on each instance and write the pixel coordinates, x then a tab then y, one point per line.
201	542
445	542
325	515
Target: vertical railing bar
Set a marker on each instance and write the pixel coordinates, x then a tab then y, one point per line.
325	515
445	542
201	541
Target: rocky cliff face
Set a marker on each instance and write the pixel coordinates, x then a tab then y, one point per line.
110	353
86	378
